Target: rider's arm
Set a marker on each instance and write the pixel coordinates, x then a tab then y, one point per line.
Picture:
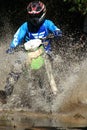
53	28
18	37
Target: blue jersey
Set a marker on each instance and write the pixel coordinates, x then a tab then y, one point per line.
25	34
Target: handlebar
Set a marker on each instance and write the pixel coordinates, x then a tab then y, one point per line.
21	47
50	36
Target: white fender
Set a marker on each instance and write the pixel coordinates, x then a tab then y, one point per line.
32	44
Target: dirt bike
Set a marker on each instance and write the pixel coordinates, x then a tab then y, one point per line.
35	59
36	50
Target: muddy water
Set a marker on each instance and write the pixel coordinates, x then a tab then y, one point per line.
32	103
21	120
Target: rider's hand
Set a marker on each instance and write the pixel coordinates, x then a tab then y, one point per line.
10	50
57	33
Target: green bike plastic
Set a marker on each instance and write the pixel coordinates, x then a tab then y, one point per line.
38	62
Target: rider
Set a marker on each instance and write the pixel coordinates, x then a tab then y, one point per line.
36	27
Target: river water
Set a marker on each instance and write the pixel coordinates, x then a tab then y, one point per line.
24	120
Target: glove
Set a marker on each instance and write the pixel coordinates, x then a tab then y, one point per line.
10	50
57	33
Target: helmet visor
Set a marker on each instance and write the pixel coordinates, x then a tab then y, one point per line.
36	15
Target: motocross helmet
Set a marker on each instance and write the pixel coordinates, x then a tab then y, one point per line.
36	12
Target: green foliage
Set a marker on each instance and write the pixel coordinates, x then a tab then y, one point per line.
78	5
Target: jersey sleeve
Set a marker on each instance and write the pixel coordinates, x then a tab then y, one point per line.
51	26
19	35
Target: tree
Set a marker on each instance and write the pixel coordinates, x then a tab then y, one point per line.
78	5
81	7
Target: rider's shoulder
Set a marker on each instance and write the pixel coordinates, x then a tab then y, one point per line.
24	25
48	22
